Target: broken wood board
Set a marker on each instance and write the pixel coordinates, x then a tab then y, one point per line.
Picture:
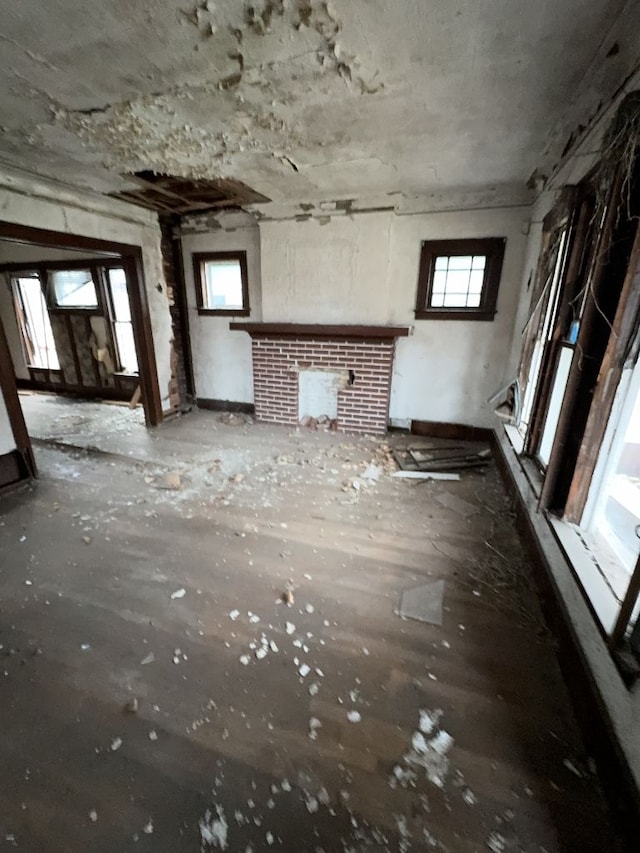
425	475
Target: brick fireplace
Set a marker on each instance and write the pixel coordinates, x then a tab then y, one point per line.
344	369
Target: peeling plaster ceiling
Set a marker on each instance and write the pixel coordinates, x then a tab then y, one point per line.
298	99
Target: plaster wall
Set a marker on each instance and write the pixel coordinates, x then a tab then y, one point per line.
448	368
43	206
363	268
221	358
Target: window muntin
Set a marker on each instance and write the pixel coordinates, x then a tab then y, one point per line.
459	279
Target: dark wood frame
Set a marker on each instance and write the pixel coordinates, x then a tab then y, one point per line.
130	256
9	392
492	247
199	259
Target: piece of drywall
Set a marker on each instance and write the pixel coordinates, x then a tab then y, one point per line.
221	358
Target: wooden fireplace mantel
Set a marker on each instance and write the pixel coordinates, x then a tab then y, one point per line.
318	330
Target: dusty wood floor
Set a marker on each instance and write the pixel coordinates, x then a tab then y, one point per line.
232	750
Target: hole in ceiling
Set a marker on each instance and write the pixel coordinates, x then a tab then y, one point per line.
170	194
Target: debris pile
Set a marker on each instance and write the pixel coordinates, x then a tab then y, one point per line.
322	422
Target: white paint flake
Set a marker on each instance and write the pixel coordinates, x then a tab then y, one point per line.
214	830
309	608
354	716
304	670
496	843
234	615
289	627
429	748
179	593
261	653
116	743
244	660
314	725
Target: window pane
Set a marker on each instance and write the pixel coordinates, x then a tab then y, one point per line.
473	300
458	281
455	300
119	294
618	515
126	347
74	288
439	281
442	263
478	262
460	262
555	404
223	284
39	345
437	300
475	282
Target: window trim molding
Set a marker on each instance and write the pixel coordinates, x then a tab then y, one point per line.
199	259
492	247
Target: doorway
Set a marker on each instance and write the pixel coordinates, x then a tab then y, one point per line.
74	323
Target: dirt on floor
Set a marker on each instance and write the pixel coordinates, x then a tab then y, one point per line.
201	650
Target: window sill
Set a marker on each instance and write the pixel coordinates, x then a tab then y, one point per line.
462	314
585	567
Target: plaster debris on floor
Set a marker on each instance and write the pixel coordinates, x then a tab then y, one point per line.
326	725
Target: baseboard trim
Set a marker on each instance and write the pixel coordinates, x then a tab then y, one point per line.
225	406
451	431
576	662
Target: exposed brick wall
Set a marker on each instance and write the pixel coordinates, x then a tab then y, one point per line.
178	385
362	406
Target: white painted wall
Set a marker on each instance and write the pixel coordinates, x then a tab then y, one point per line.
364	269
41	204
448	368
7	441
222	358
331	273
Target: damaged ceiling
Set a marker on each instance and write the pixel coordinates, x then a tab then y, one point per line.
297	99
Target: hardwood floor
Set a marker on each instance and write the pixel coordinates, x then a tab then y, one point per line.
219	753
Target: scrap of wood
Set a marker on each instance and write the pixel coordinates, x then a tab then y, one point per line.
135	398
425	475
